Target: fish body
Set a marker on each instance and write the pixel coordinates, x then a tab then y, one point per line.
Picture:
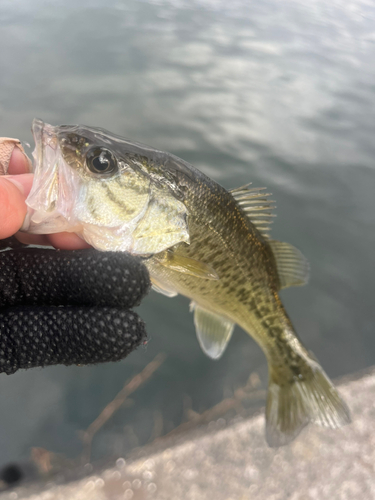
198	240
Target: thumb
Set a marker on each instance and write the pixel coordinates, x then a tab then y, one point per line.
13	192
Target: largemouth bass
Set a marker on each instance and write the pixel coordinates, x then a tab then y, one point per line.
197	239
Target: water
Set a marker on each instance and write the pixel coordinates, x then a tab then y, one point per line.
278	93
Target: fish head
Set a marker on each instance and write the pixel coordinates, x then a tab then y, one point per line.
110	191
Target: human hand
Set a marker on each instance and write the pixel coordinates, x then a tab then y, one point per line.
69	307
61	307
15	185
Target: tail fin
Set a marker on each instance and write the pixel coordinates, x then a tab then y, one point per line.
292	404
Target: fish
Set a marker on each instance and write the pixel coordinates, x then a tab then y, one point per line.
197	239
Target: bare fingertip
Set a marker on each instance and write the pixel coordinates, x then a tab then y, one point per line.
19	162
67	241
12	208
33	239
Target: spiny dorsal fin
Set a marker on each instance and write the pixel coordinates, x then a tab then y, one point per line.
213	331
256	205
292	267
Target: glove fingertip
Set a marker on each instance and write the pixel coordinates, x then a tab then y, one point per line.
45	336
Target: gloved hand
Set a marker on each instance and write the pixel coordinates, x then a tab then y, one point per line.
68	307
64	306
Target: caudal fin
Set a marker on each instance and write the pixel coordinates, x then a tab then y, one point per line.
309	397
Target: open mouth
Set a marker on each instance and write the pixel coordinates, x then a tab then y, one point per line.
43	199
46	142
37	130
46	153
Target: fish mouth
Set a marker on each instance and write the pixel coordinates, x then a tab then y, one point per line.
46	158
37	130
44	136
48	200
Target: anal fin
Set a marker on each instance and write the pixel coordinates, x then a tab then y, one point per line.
213	331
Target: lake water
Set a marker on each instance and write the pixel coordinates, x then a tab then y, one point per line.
278	93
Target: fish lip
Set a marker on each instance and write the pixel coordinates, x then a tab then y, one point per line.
37	127
37	130
45	157
44	135
49	208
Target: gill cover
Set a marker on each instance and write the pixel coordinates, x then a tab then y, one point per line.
127	211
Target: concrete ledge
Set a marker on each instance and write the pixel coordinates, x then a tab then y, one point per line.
234	463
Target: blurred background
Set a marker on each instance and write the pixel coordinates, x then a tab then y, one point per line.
278	93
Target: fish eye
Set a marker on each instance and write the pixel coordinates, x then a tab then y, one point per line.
101	161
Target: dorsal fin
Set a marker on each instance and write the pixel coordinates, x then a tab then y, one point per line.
255	203
292	267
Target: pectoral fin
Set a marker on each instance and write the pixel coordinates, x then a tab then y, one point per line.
213	331
186	265
160	287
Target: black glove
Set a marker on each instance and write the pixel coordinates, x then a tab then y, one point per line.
68	306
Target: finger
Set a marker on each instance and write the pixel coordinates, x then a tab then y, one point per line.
9	243
61	241
67	241
43	336
72	277
13	190
19	163
24	182
12	207
33	239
